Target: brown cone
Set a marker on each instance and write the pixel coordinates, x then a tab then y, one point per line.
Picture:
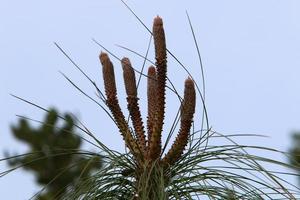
187	113
151	95
133	106
161	64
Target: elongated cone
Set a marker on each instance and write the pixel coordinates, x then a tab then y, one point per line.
151	95
187	113
133	106
113	104
129	77
161	64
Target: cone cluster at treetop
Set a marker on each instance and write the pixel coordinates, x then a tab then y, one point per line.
148	150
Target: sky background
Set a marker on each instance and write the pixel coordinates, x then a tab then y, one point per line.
250	52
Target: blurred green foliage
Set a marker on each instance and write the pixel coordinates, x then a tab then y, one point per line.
295	152
54	157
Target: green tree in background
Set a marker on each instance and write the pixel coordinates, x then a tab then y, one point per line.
54	157
295	152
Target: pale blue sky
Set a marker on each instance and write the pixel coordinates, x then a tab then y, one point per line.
250	51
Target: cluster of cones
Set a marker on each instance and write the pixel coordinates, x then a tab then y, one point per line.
149	149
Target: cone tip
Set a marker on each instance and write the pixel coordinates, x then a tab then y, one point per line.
158	21
151	70
189	81
103	56
125	61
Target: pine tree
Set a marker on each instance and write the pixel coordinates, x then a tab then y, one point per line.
54	157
